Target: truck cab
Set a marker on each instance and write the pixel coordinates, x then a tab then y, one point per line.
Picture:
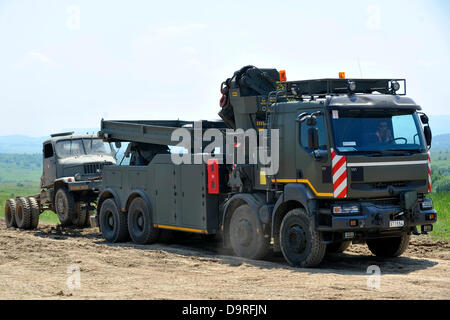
71	176
354	162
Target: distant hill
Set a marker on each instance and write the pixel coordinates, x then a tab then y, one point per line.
440	124
30	145
21	144
441	141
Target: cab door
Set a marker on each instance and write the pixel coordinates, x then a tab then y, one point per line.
49	165
312	170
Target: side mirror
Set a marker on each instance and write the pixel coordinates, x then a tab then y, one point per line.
313	139
424	118
428	135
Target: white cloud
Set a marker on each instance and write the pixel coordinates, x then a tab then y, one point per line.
34	58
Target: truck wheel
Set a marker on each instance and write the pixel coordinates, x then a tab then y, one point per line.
246	236
140	224
65	206
80	215
389	247
10	213
35	212
23	213
301	245
113	223
338	247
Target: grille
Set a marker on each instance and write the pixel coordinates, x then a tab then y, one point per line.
91	168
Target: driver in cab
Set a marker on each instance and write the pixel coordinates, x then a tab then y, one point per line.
383	133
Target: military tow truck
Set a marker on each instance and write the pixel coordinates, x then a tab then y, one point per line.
70	182
353	167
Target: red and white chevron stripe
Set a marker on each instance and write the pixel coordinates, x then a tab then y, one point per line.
429	172
339	169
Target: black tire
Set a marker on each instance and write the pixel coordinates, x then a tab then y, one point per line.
246	235
113	223
140	223
80	215
389	247
65	206
301	245
10	213
338	247
35	212
23	213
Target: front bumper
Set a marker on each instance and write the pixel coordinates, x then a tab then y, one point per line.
376	218
90	185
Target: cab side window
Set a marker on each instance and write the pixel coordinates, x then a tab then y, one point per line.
320	125
48	151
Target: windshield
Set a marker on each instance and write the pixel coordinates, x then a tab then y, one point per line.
376	131
76	147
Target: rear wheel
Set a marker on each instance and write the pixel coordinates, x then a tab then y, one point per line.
23	213
65	206
338	247
10	212
246	236
140	224
301	245
113	223
389	247
35	212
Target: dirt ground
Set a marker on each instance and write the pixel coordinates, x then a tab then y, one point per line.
40	264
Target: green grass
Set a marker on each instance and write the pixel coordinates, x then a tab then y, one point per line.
441	203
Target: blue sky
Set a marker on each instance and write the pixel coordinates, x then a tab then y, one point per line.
67	64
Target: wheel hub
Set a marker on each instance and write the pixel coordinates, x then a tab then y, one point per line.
60	205
110	221
297	239
244	232
140	221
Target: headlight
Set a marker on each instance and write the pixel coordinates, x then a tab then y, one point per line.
345	209
426	204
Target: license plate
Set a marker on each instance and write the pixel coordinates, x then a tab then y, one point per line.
396	223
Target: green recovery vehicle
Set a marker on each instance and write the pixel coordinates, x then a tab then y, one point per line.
353	167
70	182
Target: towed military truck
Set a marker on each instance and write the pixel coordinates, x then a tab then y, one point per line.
353	167
70	182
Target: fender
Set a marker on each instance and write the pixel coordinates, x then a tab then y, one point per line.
105	195
249	199
298	192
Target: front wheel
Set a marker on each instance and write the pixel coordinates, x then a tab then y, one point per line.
301	245
65	206
389	247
